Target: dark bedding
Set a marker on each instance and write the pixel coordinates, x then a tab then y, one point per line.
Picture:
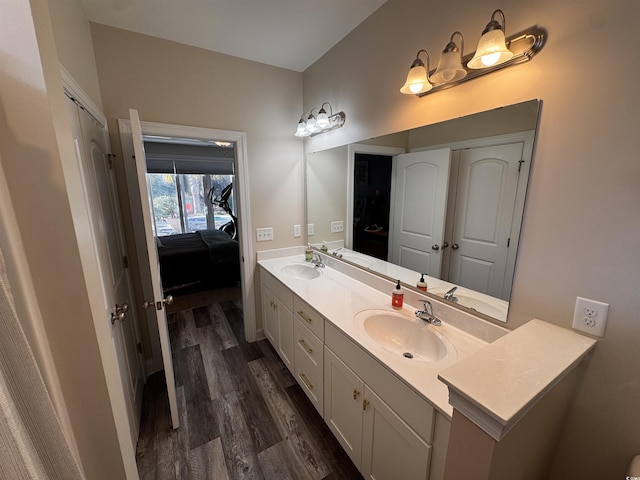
207	258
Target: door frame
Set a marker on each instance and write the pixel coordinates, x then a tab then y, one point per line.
352	150
244	220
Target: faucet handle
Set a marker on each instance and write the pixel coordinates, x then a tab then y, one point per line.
427	306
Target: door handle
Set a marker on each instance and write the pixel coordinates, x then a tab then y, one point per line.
455	246
445	245
435	247
119	314
168	300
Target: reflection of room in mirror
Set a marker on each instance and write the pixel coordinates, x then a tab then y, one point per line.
456	218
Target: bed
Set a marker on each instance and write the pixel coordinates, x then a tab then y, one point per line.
197	261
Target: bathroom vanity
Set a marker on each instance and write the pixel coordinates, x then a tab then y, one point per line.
382	378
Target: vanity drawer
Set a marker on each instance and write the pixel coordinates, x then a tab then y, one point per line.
311	378
308	344
312	319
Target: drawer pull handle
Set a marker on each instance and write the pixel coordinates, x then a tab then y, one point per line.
356	392
305	346
305	316
306	381
365	403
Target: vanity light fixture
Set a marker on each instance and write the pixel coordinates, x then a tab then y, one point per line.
310	125
495	51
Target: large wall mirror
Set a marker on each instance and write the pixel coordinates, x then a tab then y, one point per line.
443	202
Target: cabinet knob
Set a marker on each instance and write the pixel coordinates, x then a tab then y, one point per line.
365	404
356	392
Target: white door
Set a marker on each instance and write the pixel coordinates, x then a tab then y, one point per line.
486	194
419	195
91	144
156	305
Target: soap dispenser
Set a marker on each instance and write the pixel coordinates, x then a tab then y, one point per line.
422	285
397	296
308	253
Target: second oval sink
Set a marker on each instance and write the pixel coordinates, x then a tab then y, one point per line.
403	335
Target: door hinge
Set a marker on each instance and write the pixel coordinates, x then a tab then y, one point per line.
520	162
125	261
508	242
139	346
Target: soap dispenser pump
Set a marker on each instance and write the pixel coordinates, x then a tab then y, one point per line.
397	296
422	285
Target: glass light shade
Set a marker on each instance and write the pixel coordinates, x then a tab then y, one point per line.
302	129
323	120
311	125
417	81
449	68
492	50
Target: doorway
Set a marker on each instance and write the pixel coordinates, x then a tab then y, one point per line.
372	188
242	200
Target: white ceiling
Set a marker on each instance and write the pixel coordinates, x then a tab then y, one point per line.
291	34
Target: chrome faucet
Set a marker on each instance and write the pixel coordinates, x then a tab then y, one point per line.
449	295
427	314
317	260
335	252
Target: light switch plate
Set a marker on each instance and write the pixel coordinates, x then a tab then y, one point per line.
310	229
297	231
337	227
264	234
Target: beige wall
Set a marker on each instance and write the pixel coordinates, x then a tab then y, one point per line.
581	227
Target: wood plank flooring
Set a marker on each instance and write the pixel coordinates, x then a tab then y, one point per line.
242	414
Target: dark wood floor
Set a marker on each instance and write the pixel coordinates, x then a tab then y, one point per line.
242	414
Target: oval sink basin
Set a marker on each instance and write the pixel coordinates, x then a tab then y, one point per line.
403	335
301	271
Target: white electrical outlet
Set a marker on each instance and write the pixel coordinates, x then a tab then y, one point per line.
310	229
264	234
297	231
337	227
590	316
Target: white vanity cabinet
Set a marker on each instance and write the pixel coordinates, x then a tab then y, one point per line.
277	317
309	351
384	427
387	429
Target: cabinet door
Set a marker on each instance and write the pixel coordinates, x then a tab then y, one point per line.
391	449
269	316
285	335
343	394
